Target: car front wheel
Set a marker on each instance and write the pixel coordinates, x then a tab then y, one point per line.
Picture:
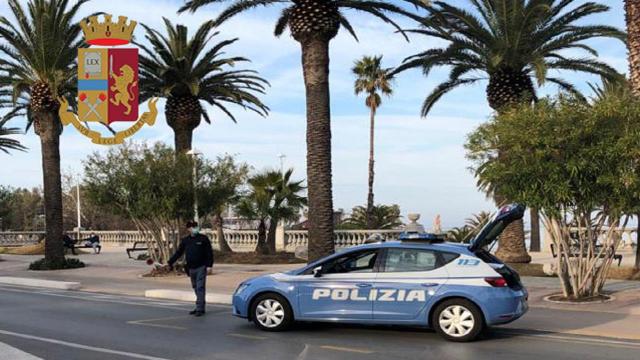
271	312
458	320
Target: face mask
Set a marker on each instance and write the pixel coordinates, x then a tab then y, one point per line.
195	231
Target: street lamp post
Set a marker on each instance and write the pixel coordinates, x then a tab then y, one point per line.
78	209
282	157
195	153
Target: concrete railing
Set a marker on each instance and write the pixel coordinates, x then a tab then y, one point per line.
238	240
18	238
628	237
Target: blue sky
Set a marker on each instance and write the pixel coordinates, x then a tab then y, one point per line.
420	163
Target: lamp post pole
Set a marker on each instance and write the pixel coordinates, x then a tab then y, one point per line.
78	209
282	157
195	153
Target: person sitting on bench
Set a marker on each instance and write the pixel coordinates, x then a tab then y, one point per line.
68	243
93	241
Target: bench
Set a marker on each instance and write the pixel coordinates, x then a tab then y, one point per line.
137	246
575	253
82	244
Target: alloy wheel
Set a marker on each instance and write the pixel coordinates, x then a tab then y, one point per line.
456	321
270	313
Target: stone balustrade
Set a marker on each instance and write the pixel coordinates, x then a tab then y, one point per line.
238	240
18	238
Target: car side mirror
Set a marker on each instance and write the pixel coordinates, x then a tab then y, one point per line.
317	272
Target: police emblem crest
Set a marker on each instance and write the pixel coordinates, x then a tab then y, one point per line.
108	81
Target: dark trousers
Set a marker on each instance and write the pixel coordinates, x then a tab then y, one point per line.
199	285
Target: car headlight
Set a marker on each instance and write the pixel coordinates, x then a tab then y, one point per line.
241	288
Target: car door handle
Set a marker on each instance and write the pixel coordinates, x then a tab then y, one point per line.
429	284
363	285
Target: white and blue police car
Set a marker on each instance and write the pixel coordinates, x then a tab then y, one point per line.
456	289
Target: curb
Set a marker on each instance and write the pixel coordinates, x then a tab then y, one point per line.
212	298
49	284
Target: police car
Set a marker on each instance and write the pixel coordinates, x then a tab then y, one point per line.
456	289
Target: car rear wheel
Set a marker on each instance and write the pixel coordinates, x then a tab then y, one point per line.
271	312
457	320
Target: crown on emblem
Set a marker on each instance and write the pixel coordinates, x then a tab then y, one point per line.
108	33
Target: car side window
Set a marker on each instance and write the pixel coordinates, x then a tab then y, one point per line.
354	262
406	260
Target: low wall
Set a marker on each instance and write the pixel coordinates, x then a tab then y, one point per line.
238	240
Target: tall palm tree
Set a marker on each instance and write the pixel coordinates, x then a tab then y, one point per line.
7	143
632	15
314	23
510	43
187	72
373	80
38	65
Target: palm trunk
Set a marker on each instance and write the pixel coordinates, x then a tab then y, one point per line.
511	244
315	63
222	242
183	138
261	248
535	230
271	236
183	115
637	262
49	132
370	203
632	14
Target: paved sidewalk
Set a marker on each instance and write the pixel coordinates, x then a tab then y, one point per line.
112	272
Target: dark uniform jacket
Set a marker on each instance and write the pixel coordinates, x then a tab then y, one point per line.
197	250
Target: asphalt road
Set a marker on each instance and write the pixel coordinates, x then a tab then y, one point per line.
66	325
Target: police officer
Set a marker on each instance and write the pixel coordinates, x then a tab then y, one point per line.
198	257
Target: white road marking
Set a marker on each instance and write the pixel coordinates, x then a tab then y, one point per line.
116	299
149	322
347	349
252	337
81	346
10	353
577	338
303	353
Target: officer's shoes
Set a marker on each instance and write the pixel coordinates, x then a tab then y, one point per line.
195	312
198	313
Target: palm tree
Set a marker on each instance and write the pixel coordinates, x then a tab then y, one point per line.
187	72
314	23
272	198
7	143
286	205
460	234
384	217
510	43
373	80
477	221
38	66
632	15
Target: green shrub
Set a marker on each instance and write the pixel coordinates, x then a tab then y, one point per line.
43	264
